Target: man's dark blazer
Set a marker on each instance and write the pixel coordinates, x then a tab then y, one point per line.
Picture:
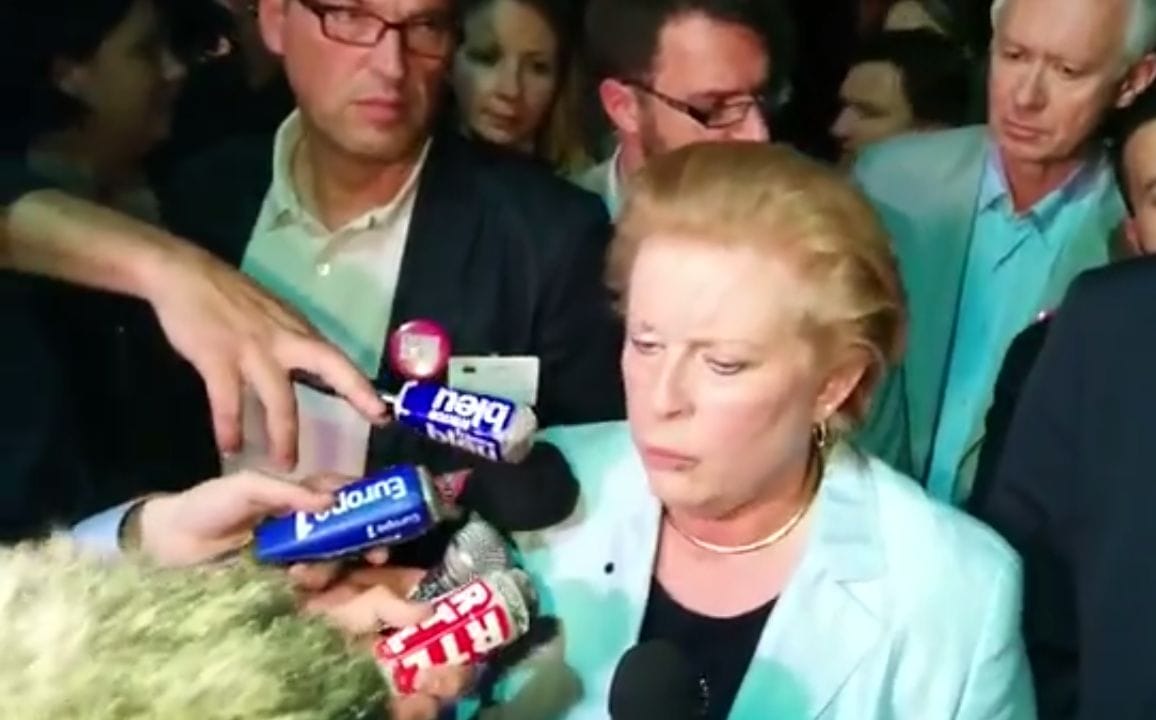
1017	363
1075	493
502	253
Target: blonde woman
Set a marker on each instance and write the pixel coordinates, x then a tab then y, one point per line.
729	514
516	79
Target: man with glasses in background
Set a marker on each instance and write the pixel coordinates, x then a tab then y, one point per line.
366	212
676	72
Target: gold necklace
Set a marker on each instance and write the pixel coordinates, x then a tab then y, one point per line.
781	532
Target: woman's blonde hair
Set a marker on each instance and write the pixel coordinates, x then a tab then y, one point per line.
562	142
774	200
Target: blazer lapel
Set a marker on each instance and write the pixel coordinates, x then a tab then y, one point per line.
831	613
443	233
933	248
600	578
627	562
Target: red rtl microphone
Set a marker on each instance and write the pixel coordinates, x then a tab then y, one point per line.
467	626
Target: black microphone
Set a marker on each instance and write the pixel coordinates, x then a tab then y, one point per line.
655	680
537	493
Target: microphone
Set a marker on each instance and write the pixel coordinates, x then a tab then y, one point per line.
403	502
85	638
467	625
655	680
389	507
485	425
477	549
537	493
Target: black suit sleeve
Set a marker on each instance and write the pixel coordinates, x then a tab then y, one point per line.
1018	362
43	476
1031	502
578	334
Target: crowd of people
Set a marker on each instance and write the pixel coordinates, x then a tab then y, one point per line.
845	351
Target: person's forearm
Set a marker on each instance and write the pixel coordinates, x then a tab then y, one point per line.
50	233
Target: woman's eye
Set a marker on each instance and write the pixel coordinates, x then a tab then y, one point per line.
726	367
645	347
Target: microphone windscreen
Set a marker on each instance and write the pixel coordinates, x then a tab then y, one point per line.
537	493
87	638
655	680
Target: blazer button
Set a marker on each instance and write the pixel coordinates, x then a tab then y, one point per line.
608	568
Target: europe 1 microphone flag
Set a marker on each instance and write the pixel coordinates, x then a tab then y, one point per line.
485	425
387	507
467	625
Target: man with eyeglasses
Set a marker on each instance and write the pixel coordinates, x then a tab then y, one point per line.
676	72
367	211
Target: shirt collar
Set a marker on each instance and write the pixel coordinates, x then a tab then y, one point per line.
1083	181
286	203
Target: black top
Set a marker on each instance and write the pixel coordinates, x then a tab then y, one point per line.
720	648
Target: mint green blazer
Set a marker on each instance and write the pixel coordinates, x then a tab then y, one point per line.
901	608
924	187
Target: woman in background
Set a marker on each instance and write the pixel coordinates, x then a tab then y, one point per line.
97	81
516	81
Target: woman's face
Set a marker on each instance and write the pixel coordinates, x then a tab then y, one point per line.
722	391
506	72
130	83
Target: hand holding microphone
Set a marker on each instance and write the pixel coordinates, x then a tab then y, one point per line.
212	519
484	425
357	598
466	627
403	502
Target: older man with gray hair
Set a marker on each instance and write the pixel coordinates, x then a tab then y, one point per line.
991	223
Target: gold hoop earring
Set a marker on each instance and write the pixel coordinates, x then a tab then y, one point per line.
820	434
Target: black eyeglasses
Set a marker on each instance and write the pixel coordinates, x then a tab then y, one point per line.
723	114
428	35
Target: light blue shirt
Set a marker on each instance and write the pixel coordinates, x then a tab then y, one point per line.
1010	260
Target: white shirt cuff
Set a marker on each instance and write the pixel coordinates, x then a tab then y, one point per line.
100	533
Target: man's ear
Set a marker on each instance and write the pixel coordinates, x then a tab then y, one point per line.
1139	77
271	21
620	104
